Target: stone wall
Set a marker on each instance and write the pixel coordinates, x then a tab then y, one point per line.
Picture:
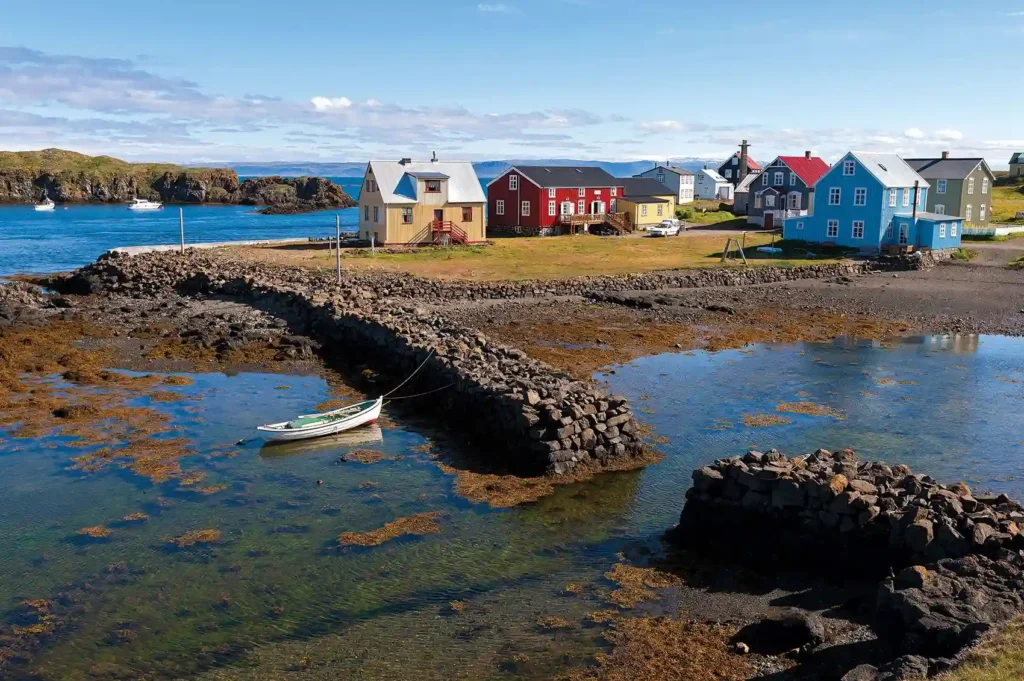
950	562
536	418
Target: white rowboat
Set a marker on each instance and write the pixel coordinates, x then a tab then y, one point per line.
317	425
46	205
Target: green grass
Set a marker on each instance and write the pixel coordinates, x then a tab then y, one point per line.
1001	658
705	212
993	237
1007	200
1017	263
97	168
964	255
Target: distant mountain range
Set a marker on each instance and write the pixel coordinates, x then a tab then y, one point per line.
484	169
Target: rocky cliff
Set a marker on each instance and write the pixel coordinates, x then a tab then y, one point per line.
68	177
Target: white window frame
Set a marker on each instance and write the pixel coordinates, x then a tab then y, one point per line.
888	232
942	230
552	210
780	178
940	186
835	196
660	177
407	216
513	182
794	201
800	224
499	206
643	210
792	178
981	212
984	185
769	200
581	207
551	193
849	167
366	213
940	208
952	229
661	210
860	196
581	192
970	185
757	201
615	191
524	209
892	198
376	213
597	192
735	160
968	213
904	238
832	229
857	225
764	179
727	174
906	196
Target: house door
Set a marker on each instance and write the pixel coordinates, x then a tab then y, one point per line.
597	207
566	207
439	215
769	220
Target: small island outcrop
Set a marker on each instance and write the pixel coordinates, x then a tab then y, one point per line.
70	177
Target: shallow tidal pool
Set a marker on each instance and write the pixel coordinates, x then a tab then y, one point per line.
275	593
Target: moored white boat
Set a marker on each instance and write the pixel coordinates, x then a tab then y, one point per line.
317	425
143	204
46	205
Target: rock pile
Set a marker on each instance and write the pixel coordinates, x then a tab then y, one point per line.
955	559
541	419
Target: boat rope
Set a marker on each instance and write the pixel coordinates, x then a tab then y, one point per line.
429	355
429	392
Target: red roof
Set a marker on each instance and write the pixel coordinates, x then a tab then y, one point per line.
751	163
809	170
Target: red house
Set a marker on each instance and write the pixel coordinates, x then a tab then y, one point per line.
542	199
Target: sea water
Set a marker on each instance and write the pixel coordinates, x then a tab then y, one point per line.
278	594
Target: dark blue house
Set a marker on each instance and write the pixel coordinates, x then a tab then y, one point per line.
871	201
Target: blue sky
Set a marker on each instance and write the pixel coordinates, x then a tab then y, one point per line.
594	79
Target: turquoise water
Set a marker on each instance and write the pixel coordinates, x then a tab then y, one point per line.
277	588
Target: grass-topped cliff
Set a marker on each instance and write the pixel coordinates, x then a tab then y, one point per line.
70	177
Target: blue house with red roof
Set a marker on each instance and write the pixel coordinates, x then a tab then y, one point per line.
871	201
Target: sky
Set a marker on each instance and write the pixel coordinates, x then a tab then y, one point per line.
203	81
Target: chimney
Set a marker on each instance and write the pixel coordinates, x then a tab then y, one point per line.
945	155
433	159
913	213
405	162
807	154
743	161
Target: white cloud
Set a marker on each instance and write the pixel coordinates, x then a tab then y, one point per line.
949	135
497	7
662	126
914	133
329	103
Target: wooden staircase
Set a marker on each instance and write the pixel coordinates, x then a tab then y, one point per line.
446	233
619	222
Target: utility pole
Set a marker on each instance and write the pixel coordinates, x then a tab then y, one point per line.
337	243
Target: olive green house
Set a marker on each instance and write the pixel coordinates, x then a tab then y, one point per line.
961	187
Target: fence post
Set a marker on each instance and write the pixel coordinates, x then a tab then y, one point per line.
181	227
337	245
373	244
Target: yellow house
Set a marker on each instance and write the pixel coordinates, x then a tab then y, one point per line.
420	202
646	201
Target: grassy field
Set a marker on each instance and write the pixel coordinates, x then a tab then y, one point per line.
1006	201
999	659
533	258
71	162
704	212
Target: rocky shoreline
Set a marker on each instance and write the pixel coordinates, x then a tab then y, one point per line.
955	561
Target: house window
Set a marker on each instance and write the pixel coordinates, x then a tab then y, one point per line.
433	186
848	167
581	207
757	201
906	197
981	213
888	232
860	196
499	207
970	185
984	185
832	229
764	179
643	210
779	178
467	213
407	216
551	208
513	182
660	177
581	192
952	229
525	209
376	213
940	209
834	195
858	229
967	213
366	213
615	191
794	201
942	230
800	225
597	192
904	233
661	210
551	193
892	197
735	160
940	187
792	179
769	200
727	173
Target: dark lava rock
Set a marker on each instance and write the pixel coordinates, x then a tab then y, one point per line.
782	632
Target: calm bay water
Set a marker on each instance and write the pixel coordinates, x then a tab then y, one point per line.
277	590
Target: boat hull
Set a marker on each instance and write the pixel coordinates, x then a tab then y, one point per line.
275	433
44	209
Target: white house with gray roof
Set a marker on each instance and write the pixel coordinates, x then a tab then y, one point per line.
679	180
712	186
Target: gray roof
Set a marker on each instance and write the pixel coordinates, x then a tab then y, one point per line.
645	199
946	168
428	176
889	169
1017	157
643	186
569	176
463	185
744	185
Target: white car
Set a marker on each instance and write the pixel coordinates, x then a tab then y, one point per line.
667	228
